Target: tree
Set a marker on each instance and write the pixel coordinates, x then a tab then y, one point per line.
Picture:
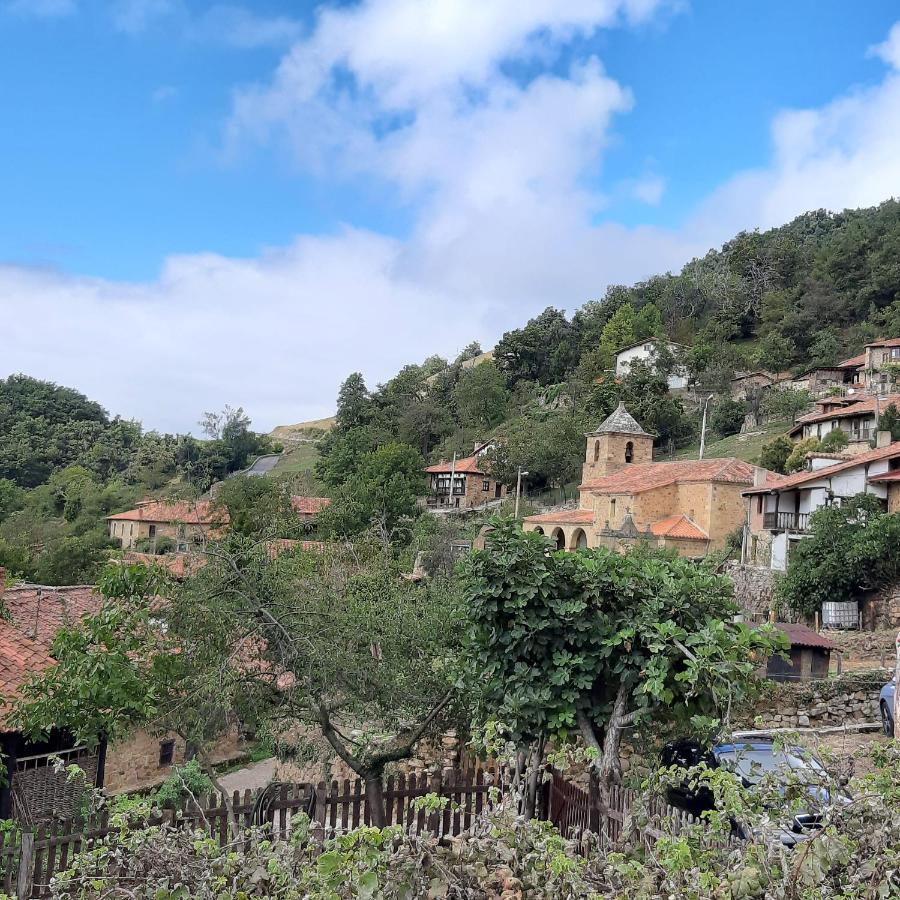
597	641
258	506
354	403
727	416
776	352
851	548
545	350
481	397
835	441
332	640
12	498
797	458
784	403
384	490
888	421
775	453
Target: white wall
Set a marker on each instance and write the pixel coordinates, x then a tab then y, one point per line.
646	352
779	552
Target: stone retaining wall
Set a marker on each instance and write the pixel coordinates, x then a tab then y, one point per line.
847	699
754	586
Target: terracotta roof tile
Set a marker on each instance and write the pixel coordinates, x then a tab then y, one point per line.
885	342
184	512
309	506
468	464
646	476
19	658
39	612
679	526
788	481
866	405
888	477
564	517
852	363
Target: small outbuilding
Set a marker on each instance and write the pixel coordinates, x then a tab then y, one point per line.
809	655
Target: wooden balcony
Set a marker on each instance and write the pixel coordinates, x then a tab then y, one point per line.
786	521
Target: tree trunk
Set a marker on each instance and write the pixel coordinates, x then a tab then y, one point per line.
531	783
375	799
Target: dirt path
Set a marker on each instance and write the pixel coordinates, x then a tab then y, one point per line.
252	777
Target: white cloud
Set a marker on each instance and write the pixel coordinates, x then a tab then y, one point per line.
649	189
164	92
42	9
238	26
504	225
135	16
889	50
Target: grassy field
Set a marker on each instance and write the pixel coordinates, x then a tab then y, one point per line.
302	459
743	446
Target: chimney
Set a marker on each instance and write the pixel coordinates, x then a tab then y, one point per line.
882	439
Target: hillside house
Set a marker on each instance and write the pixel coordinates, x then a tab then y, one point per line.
189	523
857	415
779	509
647	351
32	792
473	485
626	498
881	360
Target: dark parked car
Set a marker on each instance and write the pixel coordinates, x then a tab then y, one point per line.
750	759
886	702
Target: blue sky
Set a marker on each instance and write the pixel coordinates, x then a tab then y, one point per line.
259	199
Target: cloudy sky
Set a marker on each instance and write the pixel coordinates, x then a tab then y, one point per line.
207	202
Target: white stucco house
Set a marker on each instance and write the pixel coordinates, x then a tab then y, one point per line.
646	351
779	508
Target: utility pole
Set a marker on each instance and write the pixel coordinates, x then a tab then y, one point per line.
703	426
452	479
518	490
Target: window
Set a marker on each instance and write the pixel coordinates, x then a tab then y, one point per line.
759	504
166	752
151	531
596	450
612	509
485	485
629	451
895	352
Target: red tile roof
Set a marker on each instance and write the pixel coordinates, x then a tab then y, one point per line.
888	477
309	506
468	464
679	526
564	517
184	512
802	636
853	363
178	565
864	406
885	342
19	658
35	616
646	476
790	481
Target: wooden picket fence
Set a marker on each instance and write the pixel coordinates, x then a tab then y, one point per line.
575	811
29	862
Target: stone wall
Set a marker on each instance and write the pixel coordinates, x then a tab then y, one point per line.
848	699
319	762
134	764
881	609
754	586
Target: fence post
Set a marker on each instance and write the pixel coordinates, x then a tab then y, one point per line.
319	813
26	866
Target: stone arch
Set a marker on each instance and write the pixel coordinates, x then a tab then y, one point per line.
629	452
559	536
579	540
538	529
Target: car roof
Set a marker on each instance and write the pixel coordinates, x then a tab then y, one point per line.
754	744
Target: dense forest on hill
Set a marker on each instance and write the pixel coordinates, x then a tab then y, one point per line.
813	291
65	465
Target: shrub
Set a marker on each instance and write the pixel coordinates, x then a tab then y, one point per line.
775	453
184	781
728	416
835	441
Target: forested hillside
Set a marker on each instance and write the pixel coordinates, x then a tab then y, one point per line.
810	292
65	465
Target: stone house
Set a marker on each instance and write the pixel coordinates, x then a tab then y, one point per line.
647	351
625	498
857	415
31	791
878	367
748	384
189	523
779	508
473	485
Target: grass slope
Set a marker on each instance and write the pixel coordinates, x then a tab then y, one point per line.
301	459
742	446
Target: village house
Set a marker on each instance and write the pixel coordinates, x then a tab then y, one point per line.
779	508
473	485
647	351
32	792
625	498
188	523
857	415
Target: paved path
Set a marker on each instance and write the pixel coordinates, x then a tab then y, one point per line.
254	776
263	464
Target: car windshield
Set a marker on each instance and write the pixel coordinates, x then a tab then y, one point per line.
752	764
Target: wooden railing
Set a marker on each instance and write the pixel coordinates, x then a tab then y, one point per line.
786	521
